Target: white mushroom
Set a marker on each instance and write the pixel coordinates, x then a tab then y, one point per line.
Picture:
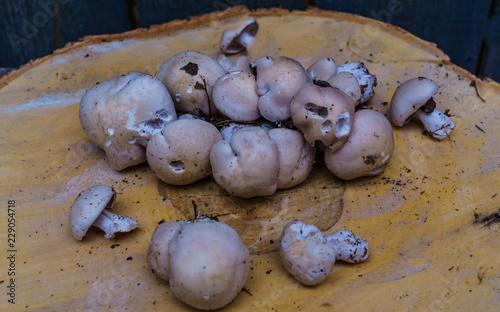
366	80
240	39
414	98
247	165
189	77
180	153
121	115
305	253
367	150
91	209
205	262
277	82
349	247
347	83
323	69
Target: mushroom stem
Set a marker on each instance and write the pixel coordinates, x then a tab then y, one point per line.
349	247
436	123
112	223
245	39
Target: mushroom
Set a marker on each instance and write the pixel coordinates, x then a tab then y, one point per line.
240	39
205	262
121	115
309	256
305	253
189	77
241	63
366	80
296	156
247	165
414	98
323	69
367	150
180	153
90	208
349	247
235	96
157	253
347	83
277	82
322	114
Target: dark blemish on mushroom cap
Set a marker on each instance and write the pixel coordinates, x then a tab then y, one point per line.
191	68
370	159
199	86
322	83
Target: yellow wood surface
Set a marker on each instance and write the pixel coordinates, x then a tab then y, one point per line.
431	217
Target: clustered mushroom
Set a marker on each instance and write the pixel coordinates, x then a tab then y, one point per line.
309	256
204	261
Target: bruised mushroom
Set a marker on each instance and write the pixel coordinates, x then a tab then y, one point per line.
235	96
366	80
309	256
277	82
180	153
322	114
205	262
189	77
91	209
121	115
240	39
367	150
247	165
296	156
414	98
323	69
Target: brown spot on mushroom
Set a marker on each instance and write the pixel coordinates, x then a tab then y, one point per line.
429	106
191	68
370	159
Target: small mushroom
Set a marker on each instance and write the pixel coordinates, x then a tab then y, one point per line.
323	69
205	262
180	153
241	63
189	77
367	150
322	114
305	253
277	82
121	115
414	98
296	156
349	247
366	80
235	96
247	165
90	208
157	253
347	83
240	39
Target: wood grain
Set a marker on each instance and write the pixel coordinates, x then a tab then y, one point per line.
431	218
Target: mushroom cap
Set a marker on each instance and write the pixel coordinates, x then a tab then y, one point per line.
247	165
409	97
296	156
87	207
121	115
180	153
277	82
367	150
209	264
189	77
157	253
366	80
323	69
235	96
347	83
240	39
241	63
305	253
322	114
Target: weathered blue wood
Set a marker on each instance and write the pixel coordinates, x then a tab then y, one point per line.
456	26
490	66
160	11
34	28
